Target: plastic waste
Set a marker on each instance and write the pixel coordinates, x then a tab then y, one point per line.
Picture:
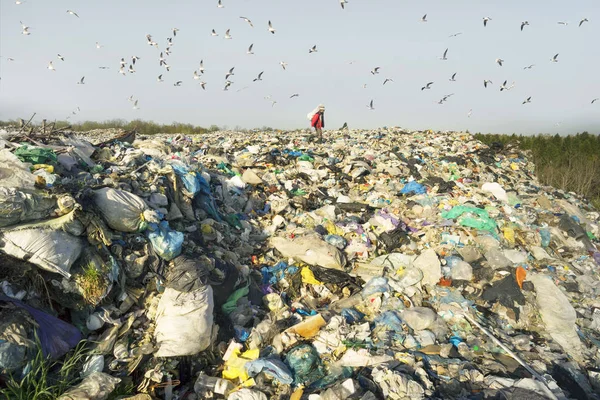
124	211
272	367
206	386
96	386
311	250
167	243
305	364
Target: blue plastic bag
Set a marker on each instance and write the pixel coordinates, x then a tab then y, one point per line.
270	366
413	187
56	336
166	242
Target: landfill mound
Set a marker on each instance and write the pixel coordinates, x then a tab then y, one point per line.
379	264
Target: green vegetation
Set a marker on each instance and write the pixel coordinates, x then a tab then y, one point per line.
92	284
143	127
570	163
47	379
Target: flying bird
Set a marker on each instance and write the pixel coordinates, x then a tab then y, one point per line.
51	66
227	84
370	106
563	23
227	35
313	49
134	59
104	67
444	58
271	29
485	21
273	102
131	70
595	100
61	58
81	82
203	84
178	83
424	18
135	105
486	82
375	70
159	79
24	29
523	24
343	3
529	66
196	76
469	113
201	68
214	33
388	80
428	86
250	49
18	2
527	101
582	21
72	13
230	73
175	30
283	64
248	21
452	79
296	95
122	70
455	34
555	58
259	77
99	46
499	61
504	87
220	4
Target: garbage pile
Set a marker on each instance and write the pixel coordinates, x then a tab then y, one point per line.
379	264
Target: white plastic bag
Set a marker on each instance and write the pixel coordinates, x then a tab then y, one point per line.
184	322
123	211
311	250
97	386
14	173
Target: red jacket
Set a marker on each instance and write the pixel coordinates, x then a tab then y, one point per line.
318	121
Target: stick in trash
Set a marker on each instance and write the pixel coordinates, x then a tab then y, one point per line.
511	353
23	127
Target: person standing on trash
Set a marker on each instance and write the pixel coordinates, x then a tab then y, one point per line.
317	120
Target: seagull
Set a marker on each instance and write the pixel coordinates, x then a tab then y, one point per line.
485	20
201	68
528	100
134	59
104	67
313	49
10	59
273	102
485	82
98	45
131	70
72	13
375	70
595	100
428	86
283	64
81	82
529	66
51	66
296	95
555	58
227	84
151	42
175	30
220	4
169	42
122	70
343	3
499	61
24	29
250	49
248	21
130	98
159	79
365	86
469	113
203	84
162	60
444	58
271	29
388	80
178	83
523	24
61	58
455	34
453	78
370	106
504	87
196	76
17	2
582	21
229	73
135	105
259	77
214	33
227	35
563	23
424	18
167	51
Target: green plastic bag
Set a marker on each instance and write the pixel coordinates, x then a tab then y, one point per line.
36	155
471	217
232	300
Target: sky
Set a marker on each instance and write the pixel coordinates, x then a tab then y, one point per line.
368	33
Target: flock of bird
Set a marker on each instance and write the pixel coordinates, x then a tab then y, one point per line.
127	65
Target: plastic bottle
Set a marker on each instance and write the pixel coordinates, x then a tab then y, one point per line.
206	385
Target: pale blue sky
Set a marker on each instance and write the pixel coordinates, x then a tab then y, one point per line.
384	33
